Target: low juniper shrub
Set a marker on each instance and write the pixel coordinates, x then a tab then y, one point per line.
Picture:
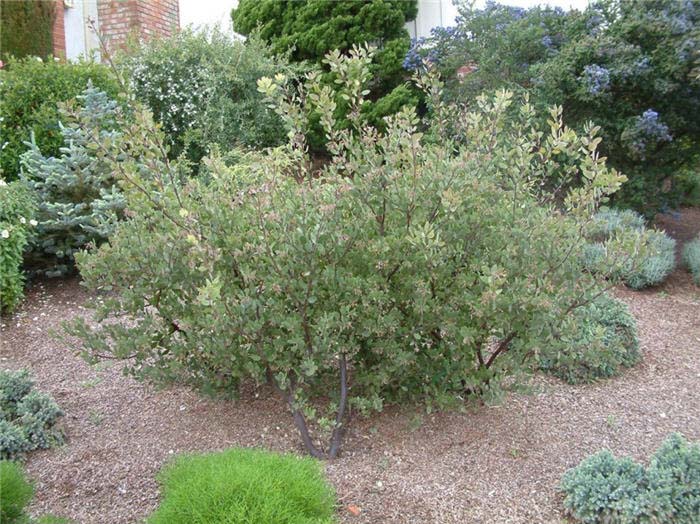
691	258
244	485
28	417
597	342
606	489
674	476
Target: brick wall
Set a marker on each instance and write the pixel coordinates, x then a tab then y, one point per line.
144	18
59	31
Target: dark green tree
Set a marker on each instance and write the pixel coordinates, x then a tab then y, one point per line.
311	28
26	28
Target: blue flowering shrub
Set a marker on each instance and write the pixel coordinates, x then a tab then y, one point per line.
645	257
626	66
606	489
691	258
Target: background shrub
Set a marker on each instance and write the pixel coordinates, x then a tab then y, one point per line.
15	492
596	342
28	417
17	208
401	260
646	256
201	86
78	200
244	485
626	66
30	91
604	488
691	258
309	29
26	28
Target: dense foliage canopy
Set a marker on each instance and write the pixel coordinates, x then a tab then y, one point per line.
311	28
625	65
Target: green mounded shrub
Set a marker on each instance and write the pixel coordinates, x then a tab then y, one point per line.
244	485
30	90
691	258
79	202
645	256
596	342
17	208
15	493
604	489
27	417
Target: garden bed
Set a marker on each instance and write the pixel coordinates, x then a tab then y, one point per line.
488	464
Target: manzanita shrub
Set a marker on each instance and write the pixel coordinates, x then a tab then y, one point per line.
604	488
78	199
400	271
17	207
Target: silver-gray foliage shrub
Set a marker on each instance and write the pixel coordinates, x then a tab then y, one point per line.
604	489
644	257
28	417
691	258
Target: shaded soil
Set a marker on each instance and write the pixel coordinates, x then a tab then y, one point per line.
489	464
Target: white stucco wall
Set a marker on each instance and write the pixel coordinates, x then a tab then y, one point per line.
80	40
432	13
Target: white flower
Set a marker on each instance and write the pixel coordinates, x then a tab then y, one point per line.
22	220
5	233
2	182
33	222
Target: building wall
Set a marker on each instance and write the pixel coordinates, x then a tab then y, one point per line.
144	18
432	13
81	40
59	31
116	20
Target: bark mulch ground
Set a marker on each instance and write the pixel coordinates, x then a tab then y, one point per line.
490	464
